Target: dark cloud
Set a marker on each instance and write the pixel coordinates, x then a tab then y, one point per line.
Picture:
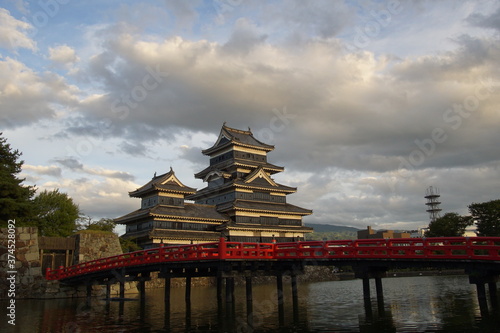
134	148
491	21
70	163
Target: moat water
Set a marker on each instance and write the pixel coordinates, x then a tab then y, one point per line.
411	304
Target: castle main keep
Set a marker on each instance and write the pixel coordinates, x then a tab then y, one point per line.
241	201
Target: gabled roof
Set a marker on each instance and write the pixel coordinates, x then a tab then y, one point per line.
231	136
188	212
239	162
185	235
167	182
247	205
259	174
258	184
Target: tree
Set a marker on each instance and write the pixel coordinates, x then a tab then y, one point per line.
449	225
14	197
487	216
56	213
104	224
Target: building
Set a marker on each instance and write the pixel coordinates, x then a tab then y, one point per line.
369	233
241	201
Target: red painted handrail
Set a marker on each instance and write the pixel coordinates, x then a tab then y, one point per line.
447	248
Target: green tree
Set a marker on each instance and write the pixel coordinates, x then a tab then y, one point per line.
14	197
56	213
487	216
128	245
449	225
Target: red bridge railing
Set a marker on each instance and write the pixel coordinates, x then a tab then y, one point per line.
444	248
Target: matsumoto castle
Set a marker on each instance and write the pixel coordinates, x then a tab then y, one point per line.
241	201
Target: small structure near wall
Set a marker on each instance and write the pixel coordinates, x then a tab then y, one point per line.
369	233
56	251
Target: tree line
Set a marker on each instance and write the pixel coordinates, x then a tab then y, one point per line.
485	215
54	213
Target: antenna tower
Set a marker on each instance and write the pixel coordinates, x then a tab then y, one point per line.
432	196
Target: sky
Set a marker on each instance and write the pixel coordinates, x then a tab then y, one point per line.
368	103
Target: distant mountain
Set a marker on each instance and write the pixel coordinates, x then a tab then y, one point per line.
330	228
329	232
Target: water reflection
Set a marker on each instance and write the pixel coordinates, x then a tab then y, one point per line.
438	304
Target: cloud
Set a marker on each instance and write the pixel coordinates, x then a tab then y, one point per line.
76	166
63	55
27	97
100	198
353	111
43	170
14	33
491	21
70	163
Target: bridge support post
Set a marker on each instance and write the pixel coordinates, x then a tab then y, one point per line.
88	285
379	289
142	289
167	294
187	296
281	305
480	279
230	290
122	289
248	288
365	273
279	286
295	294
366	289
219	289
108	290
295	298
492	288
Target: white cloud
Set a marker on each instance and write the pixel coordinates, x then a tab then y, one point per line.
14	33
27	96
50	170
63	55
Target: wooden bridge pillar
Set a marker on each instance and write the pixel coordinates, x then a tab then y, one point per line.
480	279
167	294
187	296
108	290
248	289
88	285
492	288
295	297
220	282
230	290
281	305
122	289
366	273
142	285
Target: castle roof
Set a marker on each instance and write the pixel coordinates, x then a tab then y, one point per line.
231	136
260	206
188	212
167	182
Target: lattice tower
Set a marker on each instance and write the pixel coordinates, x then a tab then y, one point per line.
432	196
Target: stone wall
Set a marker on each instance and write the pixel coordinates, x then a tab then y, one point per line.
28	272
91	246
30	280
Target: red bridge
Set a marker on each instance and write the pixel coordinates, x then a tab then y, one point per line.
369	258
